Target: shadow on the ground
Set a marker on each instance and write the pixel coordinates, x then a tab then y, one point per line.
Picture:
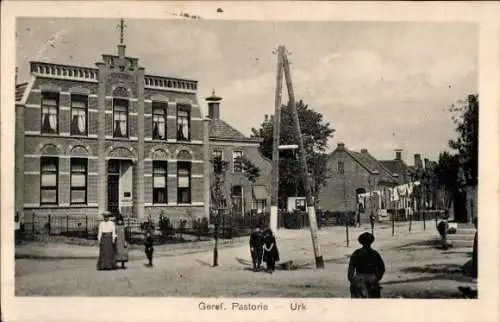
417	245
203	262
452	272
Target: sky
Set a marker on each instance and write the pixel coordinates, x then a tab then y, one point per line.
381	85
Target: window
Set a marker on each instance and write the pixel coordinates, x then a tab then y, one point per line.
79	104
259	205
159	181
159	121
50	112
237	196
183	125
237	161
183	182
120	118
217	154
48	180
78	181
340	167
300	204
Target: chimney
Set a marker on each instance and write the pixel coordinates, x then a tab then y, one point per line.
398	154
426	162
418	161
364	150
213	106
340	146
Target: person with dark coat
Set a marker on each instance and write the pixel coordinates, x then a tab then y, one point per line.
442	228
366	269
148	245
256	248
470	268
271	253
121	243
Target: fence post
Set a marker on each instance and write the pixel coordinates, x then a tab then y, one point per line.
32	221
67	223
49	224
423	216
86	226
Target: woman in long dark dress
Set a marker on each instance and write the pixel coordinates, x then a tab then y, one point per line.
271	253
106	237
121	243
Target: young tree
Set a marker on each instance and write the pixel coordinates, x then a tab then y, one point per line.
315	133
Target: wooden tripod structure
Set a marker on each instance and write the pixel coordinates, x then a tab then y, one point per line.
283	68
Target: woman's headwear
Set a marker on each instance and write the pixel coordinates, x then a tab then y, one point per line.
106	214
366	239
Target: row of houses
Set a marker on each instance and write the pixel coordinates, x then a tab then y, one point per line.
113	137
359	182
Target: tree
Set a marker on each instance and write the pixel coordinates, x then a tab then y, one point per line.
315	133
466	119
446	174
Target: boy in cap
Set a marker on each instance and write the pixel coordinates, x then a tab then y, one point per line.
256	244
366	269
148	245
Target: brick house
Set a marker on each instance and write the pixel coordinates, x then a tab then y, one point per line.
353	173
231	146
115	138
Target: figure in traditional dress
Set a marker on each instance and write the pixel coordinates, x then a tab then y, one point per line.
366	269
121	242
271	253
148	247
256	243
106	237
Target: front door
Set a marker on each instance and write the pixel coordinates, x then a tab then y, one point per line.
114	186
113	193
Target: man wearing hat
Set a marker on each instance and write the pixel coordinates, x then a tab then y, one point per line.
366	269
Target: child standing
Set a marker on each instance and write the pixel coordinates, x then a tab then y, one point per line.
148	244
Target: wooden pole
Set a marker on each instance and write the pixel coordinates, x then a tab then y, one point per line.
345	211
276	141
394	214
309	199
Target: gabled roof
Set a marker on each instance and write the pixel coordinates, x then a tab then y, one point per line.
395	166
20	89
220	130
370	163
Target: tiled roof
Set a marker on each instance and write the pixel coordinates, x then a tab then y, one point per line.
395	166
219	129
372	164
20	89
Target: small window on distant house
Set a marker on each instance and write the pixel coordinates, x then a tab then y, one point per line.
48	180
237	161
120	118
50	112
340	167
79	104
159	121
183	124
